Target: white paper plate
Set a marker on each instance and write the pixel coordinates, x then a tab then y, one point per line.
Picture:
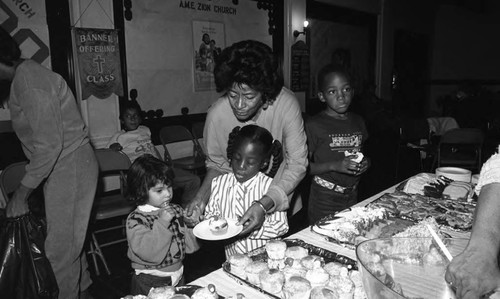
202	231
455	173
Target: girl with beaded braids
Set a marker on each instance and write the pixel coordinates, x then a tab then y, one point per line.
250	150
250	79
270	147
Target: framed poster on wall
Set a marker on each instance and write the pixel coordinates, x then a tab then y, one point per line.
208	42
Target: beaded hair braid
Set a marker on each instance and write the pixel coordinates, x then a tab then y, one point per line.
272	148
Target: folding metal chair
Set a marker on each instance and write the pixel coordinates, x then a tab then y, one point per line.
10	178
461	148
197	130
109	204
178	133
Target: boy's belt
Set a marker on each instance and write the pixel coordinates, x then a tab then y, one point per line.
332	186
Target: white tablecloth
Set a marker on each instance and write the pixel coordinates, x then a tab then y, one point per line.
227	286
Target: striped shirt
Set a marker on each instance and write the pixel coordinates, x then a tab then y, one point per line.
231	199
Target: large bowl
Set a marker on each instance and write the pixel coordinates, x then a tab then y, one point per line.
455	173
405	267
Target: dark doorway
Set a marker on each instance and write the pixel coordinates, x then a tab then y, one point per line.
341	35
411	73
349	37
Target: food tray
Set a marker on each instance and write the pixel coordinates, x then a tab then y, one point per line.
187	290
456	215
190	289
261	255
385	228
436	186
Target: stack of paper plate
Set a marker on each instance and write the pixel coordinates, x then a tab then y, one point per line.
455	173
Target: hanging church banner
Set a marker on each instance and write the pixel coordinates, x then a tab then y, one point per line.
98	56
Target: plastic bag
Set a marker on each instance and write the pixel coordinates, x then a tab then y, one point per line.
25	271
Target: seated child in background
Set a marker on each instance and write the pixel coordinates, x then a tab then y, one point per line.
335	138
157	236
249	150
135	140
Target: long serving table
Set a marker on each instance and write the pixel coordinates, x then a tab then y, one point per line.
227	286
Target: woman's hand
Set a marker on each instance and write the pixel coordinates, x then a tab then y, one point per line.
18	204
201	198
194	218
473	273
252	219
195	206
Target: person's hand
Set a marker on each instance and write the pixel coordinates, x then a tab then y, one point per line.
18	204
363	166
347	165
116	147
167	213
194	219
195	205
252	219
473	273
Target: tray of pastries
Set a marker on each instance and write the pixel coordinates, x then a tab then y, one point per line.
292	268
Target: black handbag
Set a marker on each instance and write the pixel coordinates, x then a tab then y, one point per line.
25	271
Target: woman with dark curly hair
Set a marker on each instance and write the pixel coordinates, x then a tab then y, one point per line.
250	77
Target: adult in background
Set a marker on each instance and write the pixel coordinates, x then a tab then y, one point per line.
475	272
250	77
47	120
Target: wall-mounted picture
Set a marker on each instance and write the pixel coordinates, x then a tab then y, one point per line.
208	42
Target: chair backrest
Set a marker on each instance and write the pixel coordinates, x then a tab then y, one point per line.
10	178
197	129
463	136
179	133
461	147
111	160
174	133
113	163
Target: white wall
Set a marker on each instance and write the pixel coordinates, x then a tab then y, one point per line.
160	49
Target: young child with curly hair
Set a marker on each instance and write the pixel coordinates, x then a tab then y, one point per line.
157	236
